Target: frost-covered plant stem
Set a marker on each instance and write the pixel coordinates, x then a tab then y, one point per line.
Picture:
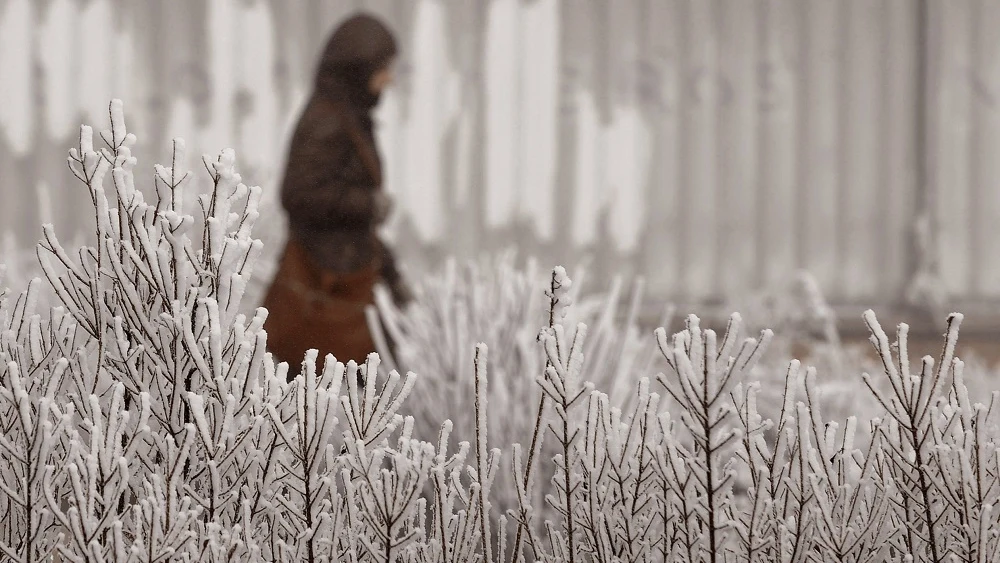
558	288
976	450
313	401
481	461
560	383
704	375
31	446
912	409
101	464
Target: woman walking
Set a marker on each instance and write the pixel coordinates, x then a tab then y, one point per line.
332	193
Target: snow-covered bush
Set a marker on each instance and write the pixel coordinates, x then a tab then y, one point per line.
141	419
495	302
805	326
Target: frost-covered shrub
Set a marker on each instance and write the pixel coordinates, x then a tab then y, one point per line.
805	326
493	301
141	419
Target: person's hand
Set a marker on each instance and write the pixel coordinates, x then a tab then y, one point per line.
383	206
402	294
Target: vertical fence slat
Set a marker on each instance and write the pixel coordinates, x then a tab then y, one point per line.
286	63
500	77
58	95
412	253
147	105
93	89
950	126
820	118
18	119
985	83
581	80
182	84
590	112
431	111
777	78
859	185
699	184
381	8
537	114
659	81
50	193
624	135
595	95
898	132
256	102
329	16
16	52
463	149
572	66
737	255
453	156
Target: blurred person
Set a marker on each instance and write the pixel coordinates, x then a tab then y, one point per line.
332	193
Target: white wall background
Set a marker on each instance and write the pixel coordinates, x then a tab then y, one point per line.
713	146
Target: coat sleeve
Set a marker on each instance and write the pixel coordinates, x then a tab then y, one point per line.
402	293
390	271
325	181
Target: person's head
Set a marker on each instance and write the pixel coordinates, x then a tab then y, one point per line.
357	61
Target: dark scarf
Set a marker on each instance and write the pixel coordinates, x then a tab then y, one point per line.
348	86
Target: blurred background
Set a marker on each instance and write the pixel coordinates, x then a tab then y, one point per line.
715	147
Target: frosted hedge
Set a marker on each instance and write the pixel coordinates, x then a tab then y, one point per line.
141	419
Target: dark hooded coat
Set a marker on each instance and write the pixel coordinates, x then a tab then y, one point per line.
332	194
